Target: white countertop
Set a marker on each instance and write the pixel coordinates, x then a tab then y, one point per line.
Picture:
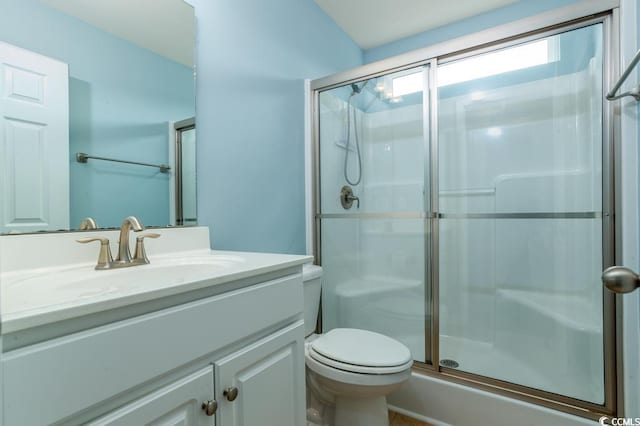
31	297
36	298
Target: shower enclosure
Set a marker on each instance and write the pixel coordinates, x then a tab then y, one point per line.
463	207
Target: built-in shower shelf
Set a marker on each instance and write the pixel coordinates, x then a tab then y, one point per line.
394	184
374	284
467	192
574	312
418	232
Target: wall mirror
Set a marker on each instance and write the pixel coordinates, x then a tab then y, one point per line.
86	82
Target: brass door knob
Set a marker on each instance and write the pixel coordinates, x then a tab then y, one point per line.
210	407
231	393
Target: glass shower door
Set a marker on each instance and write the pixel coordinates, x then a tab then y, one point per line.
520	214
373	143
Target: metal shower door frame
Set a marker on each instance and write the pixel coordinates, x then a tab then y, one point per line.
180	127
548	24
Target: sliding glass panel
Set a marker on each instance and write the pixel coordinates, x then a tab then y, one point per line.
373	278
520	201
373	150
372	139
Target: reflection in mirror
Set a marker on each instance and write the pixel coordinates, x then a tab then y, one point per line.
185	172
108	78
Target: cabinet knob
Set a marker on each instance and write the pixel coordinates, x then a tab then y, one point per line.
231	393
210	407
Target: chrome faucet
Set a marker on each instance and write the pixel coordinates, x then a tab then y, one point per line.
123	260
87	224
124	253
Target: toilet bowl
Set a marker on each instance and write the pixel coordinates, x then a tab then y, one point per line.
351	370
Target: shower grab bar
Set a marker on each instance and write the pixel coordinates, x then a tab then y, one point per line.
82	157
635	92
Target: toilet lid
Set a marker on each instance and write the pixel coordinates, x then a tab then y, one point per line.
360	348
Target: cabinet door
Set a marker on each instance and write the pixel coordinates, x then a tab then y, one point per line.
179	403
268	377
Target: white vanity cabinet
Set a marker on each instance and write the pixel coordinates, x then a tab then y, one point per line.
179	403
257	385
161	366
262	384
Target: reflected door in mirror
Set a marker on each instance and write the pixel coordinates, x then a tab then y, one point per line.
34	141
130	75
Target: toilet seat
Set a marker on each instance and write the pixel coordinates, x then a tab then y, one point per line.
354	368
360	351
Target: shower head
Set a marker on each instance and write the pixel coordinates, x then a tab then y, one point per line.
355	89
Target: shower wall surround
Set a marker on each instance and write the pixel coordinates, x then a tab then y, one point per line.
521	298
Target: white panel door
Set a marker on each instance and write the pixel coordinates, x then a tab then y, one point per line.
34	141
178	404
267	379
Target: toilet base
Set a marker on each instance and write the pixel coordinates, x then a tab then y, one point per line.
356	399
370	411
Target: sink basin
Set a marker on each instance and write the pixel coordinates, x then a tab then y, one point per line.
49	287
50	279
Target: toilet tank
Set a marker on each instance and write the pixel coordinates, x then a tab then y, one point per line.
311	279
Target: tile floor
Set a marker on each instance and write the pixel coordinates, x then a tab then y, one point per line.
397	419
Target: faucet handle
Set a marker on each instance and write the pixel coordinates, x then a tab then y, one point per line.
140	255
105	259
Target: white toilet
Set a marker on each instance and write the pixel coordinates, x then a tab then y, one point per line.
352	370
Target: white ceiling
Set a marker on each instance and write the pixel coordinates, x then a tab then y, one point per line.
166	27
372	23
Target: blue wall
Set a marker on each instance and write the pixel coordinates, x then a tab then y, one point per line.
253	57
120	99
503	15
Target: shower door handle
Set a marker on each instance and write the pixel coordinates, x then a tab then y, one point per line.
620	279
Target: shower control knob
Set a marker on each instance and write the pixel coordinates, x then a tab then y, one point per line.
231	393
347	198
210	407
